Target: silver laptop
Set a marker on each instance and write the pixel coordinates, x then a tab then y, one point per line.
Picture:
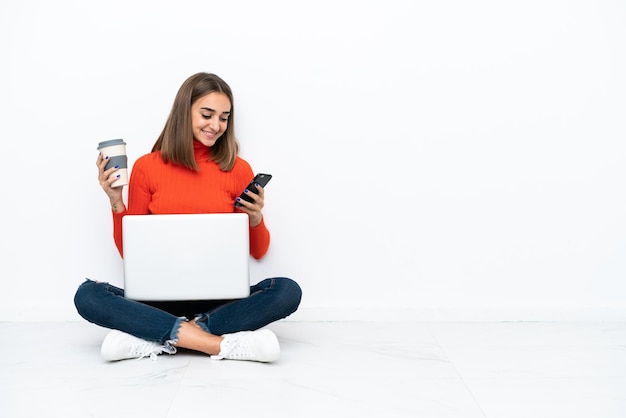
186	257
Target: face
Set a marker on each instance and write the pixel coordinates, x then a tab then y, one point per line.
209	117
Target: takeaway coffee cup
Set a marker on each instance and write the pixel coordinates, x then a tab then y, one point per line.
115	150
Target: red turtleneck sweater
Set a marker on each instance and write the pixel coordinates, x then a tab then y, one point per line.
159	188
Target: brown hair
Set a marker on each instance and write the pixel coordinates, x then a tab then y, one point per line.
176	139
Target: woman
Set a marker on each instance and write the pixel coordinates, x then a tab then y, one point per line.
197	151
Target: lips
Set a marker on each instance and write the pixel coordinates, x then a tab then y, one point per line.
209	134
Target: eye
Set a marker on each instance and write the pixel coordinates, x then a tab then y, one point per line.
206	116
224	119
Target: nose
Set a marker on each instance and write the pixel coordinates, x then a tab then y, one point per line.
214	123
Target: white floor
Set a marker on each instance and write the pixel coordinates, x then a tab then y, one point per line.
328	369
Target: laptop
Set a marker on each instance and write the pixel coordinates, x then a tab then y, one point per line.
186	256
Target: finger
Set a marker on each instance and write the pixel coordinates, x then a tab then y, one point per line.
107	173
107	177
244	204
101	162
260	200
257	200
107	184
261	190
252	209
251	195
112	179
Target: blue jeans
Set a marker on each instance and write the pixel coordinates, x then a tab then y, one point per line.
105	305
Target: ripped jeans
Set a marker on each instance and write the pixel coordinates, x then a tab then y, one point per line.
105	305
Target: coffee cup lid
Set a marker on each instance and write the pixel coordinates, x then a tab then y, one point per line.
111	142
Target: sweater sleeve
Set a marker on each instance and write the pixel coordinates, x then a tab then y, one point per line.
259	240
138	200
117	231
259	235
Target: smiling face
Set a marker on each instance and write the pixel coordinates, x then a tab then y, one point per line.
209	118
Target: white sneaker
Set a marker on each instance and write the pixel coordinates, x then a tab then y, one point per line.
118	345
249	345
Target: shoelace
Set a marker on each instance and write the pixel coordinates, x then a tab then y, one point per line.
239	349
147	349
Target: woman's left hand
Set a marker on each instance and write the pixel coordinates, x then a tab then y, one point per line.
254	209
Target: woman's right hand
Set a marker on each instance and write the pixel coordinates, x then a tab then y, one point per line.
114	193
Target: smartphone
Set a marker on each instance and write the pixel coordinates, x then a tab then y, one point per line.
261	179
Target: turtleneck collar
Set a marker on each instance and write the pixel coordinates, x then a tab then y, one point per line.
200	151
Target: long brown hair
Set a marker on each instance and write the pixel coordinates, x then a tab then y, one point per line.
176	139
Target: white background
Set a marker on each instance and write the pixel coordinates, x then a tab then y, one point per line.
432	159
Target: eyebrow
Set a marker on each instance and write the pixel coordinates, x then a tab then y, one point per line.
213	110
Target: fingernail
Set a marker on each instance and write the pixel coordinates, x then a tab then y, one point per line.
117	166
246	191
256	184
238	199
106	158
118	176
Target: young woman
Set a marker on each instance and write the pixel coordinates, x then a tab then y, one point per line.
194	167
